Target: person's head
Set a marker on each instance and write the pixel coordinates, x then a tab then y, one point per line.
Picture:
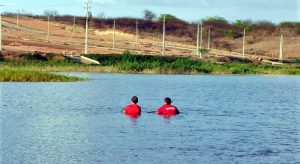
168	100
135	99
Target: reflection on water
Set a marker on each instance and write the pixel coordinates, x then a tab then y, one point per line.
224	119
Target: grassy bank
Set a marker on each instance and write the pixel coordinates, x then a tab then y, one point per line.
13	75
129	63
186	65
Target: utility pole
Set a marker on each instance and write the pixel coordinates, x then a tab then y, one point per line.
244	39
164	35
136	32
281	47
198	34
208	40
88	7
201	39
74	21
18	19
114	33
48	35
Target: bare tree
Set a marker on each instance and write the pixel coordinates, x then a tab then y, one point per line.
51	13
149	15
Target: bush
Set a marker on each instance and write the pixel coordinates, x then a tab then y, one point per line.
298	31
232	34
216	19
247	25
203	51
1	57
169	18
34	56
266	26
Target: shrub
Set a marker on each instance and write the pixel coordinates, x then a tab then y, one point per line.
247	25
232	34
34	56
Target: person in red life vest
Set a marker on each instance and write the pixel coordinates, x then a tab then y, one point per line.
133	108
167	109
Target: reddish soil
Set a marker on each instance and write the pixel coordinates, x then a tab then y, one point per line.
32	36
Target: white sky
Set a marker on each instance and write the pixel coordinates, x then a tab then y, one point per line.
190	10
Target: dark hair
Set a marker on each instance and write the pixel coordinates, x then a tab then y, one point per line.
168	100
135	99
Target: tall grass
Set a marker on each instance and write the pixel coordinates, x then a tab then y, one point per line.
130	63
33	76
185	65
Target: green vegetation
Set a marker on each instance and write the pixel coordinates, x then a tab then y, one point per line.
232	34
35	68
247	25
184	65
216	19
170	18
1	57
38	70
11	75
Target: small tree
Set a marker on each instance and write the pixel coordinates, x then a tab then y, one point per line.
216	19
247	25
149	15
170	18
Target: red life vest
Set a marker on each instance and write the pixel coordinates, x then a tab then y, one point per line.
167	110
132	109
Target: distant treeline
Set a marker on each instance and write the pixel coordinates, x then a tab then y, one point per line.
177	27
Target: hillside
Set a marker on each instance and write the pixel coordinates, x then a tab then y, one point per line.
31	35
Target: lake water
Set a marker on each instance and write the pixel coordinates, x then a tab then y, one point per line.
224	119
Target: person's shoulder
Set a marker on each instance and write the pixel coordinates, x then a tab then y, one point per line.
138	106
128	106
163	107
174	106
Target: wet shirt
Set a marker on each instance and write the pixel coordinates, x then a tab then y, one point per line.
167	110
132	109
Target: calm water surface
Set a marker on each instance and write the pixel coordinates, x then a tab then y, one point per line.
225	119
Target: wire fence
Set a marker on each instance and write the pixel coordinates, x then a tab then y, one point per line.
67	33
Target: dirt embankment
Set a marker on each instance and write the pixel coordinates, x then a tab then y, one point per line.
32	35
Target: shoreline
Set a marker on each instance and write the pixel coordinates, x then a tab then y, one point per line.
127	63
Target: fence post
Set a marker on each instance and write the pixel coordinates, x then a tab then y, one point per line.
74	22
18	19
201	40
281	47
208	40
114	31
48	35
244	39
136	32
164	35
197	44
88	7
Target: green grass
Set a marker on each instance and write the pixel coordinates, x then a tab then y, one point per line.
38	70
185	65
33	76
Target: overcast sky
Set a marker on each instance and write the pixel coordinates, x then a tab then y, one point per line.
190	10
